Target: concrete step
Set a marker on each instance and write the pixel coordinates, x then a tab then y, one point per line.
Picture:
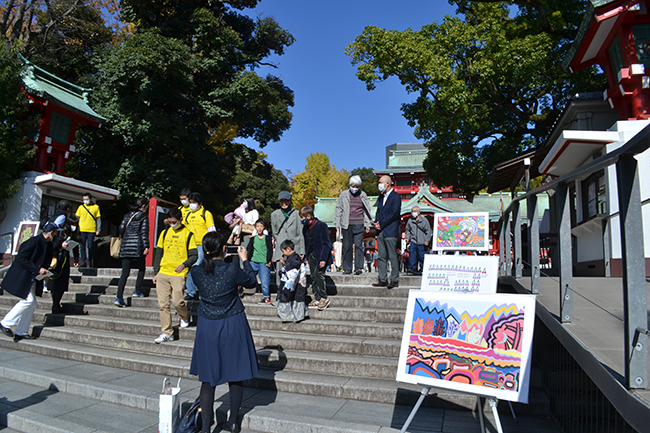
48	395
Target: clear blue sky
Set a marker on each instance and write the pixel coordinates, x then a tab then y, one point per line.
333	112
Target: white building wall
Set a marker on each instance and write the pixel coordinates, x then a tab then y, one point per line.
25	205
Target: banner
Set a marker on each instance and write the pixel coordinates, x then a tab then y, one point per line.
464	274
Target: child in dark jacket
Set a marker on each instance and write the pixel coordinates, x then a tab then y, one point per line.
260	253
293	281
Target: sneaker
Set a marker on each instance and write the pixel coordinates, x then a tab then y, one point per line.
119	303
323	304
358	272
163	338
347	272
313	304
137	294
265	301
185	323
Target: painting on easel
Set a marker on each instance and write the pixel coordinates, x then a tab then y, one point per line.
461	231
474	343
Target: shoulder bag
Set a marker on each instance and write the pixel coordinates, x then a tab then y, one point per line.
192	422
116	242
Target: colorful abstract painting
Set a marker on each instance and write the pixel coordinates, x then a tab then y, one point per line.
461	231
26	230
472	343
465	274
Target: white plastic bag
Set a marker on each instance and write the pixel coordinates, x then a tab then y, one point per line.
169	407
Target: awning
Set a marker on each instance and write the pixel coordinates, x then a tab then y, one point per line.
507	175
573	149
68	188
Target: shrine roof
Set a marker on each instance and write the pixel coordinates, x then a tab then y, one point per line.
39	82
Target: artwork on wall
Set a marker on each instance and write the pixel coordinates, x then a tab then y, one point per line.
466	274
461	231
26	230
474	343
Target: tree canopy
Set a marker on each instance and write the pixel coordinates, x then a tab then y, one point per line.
489	81
319	179
369	180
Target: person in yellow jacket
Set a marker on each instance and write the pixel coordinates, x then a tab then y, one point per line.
200	222
90	224
175	255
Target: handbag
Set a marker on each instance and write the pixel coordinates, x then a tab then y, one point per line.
247	229
192	422
116	244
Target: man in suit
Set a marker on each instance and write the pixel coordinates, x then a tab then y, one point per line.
387	221
33	259
318	249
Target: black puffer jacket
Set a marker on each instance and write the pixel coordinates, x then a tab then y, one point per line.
135	235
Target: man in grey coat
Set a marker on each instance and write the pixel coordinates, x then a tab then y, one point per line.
418	232
285	225
352	219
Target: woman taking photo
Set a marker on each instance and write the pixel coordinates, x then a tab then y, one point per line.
223	346
134	231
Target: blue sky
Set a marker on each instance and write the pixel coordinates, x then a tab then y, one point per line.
333	112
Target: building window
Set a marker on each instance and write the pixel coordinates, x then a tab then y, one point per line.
60	128
616	56
594	195
641	36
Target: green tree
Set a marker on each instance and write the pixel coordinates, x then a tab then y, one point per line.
369	180
489	83
319	179
15	123
177	92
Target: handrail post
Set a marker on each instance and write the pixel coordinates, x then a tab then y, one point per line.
506	229
533	243
502	246
566	261
516	229
634	283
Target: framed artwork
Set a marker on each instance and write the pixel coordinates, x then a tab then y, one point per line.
461	231
473	343
26	230
464	274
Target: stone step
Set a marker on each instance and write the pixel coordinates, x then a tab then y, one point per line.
293	338
272	357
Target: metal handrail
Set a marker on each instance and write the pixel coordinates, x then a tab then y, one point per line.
630	214
11	257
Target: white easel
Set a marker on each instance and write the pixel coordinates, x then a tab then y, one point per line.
492	401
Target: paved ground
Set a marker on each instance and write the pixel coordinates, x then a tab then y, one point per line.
44	394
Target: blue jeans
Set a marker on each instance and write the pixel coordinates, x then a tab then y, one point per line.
416	255
86	248
265	277
190	287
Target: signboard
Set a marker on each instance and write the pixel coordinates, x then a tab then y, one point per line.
461	231
479	344
26	230
464	274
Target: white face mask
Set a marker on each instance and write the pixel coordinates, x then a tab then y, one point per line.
185	202
86	202
245	204
73	228
176	226
353	190
381	187
194	206
415	214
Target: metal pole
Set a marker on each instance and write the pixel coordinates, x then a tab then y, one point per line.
607	247
502	247
533	242
566	261
506	229
423	394
516	228
634	283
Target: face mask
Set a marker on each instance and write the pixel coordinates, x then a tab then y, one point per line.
194	206
305	221
381	187
245	205
73	228
86	202
185	202
354	190
415	214
176	226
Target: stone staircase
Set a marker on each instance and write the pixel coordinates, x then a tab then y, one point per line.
348	351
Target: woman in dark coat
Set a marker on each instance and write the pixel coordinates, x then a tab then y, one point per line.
223	346
134	231
60	280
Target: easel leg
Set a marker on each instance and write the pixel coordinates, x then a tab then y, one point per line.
423	394
493	404
512	411
481	420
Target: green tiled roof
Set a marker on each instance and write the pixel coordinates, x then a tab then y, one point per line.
406	158
429	203
43	84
